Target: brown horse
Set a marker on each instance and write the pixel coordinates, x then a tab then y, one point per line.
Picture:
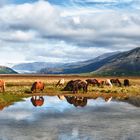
2	85
93	82
37	101
38	85
116	82
75	85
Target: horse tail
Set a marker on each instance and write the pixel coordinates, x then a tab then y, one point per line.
33	86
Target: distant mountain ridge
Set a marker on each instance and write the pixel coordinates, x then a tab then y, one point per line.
124	63
47	67
116	63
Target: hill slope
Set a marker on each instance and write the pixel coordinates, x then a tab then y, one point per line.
6	70
80	67
126	63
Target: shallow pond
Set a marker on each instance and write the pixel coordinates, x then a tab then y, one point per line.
70	119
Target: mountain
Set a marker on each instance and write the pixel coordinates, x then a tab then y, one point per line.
46	67
34	67
80	67
6	70
126	63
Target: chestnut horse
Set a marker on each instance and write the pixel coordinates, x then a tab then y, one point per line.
93	82
38	85
2	85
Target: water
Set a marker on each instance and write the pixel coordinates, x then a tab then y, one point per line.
59	120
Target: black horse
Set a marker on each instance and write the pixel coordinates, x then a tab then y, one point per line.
126	83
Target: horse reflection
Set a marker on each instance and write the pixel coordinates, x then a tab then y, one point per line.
37	100
77	101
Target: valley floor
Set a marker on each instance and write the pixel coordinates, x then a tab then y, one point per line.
18	87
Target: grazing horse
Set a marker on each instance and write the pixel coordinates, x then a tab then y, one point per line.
2	85
75	85
38	85
126	83
101	82
77	101
93	82
61	82
116	82
37	101
108	82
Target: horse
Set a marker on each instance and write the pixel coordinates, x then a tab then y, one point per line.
116	82
61	82
75	85
2	85
93	82
37	101
108	82
101	82
126	83
38	85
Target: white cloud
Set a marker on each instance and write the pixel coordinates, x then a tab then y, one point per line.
44	32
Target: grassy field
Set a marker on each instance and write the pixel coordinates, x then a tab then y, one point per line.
18	86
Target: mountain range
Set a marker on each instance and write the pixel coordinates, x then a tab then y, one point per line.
116	63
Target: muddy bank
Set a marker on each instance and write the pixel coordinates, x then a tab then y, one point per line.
133	100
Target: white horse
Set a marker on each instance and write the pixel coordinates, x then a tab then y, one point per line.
61	82
108	82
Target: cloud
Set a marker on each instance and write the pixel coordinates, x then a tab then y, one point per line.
42	31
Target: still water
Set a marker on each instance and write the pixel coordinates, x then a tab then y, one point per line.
57	119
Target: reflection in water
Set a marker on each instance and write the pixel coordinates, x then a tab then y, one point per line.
74	100
59	120
77	101
37	100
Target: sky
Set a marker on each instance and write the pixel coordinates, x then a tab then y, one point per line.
66	30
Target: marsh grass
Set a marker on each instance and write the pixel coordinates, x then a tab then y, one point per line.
18	88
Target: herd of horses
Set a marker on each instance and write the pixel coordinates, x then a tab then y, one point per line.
75	85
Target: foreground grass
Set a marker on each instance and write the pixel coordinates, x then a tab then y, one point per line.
17	89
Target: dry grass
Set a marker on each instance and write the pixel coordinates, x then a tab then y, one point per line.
18	86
